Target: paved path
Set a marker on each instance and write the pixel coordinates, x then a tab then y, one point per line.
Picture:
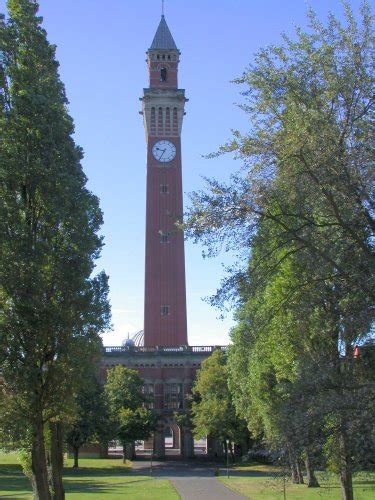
192	480
205	488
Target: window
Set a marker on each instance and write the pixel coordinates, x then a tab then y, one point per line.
160	121
164	188
175	119
173	396
167	121
163	74
165	310
148	392
165	237
153	121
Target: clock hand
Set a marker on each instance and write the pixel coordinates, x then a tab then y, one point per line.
162	153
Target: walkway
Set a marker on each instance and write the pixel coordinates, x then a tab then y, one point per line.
192	480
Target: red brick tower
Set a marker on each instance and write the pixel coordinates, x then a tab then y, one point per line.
163	110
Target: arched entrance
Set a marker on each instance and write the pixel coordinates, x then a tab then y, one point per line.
168	437
172	438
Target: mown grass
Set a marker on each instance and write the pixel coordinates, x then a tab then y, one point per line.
95	479
265	482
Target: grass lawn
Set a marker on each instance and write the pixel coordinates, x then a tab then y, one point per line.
95	479
264	482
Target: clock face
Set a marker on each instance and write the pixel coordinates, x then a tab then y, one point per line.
164	151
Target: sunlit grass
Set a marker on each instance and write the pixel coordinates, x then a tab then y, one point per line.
95	479
266	482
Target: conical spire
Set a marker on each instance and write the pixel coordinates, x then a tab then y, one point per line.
163	39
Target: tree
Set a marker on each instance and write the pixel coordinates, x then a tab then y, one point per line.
52	306
308	155
92	422
134	425
212	410
304	205
124	391
287	376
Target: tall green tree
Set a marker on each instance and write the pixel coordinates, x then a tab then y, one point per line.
212	411
308	155
130	420
304	197
52	307
92	420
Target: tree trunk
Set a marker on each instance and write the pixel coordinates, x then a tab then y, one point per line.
299	471
346	484
75	457
104	450
237	450
346	479
231	451
244	447
312	481
293	469
225	450
123	453
39	479
57	460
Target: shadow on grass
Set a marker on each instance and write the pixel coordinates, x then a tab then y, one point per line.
14	483
10	469
97	487
13	479
250	473
97	472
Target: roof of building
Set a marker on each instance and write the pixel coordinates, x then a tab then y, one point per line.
163	39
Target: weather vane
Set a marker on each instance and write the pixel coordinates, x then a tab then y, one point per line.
162	7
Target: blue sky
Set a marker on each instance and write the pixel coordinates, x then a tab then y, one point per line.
101	48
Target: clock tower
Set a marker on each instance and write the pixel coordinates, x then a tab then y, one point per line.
166	363
163	110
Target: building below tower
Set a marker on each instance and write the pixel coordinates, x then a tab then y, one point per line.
168	374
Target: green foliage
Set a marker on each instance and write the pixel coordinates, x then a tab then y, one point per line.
301	214
125	397
24	458
124	388
92	422
135	425
52	306
307	161
212	410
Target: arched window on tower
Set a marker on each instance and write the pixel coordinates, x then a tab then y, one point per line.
160	121
163	74
175	122
153	121
168	121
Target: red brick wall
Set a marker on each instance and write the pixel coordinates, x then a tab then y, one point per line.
165	262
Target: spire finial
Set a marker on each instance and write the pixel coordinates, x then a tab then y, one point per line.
162	7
